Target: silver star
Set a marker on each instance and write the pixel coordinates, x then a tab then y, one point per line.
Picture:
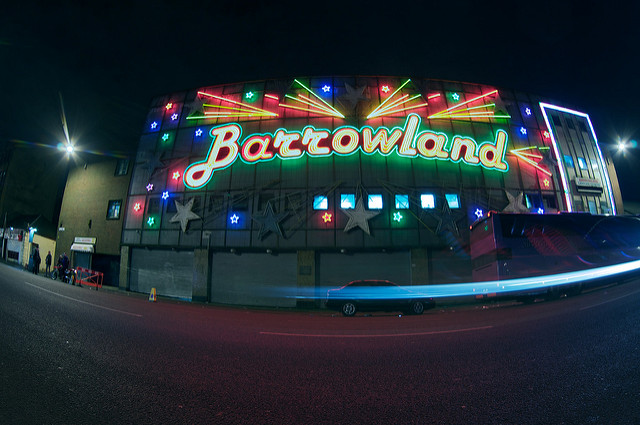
196	107
359	217
270	221
153	163
353	95
446	220
515	204
184	214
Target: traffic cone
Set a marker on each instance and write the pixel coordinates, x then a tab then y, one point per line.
152	295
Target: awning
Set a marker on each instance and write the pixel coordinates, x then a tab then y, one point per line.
82	247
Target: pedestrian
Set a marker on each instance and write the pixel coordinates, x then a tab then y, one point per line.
36	261
47	262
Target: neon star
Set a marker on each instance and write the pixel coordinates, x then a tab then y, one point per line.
174	117
234	219
546	134
455	97
149	187
385	89
137	207
326	217
397	217
523	130
326	88
165	195
546	182
165	137
248	95
527	111
479	213
151	221
540	211
154	125
176	175
169	106
199	132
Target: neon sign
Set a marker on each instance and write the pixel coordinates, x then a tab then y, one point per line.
407	141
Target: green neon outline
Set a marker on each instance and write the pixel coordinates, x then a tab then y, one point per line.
304	152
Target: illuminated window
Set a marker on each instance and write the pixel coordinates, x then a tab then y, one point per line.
347	201
428	201
594	165
113	210
582	163
320	202
452	200
568	160
402	202
375	202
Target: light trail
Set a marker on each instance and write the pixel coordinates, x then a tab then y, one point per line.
498	287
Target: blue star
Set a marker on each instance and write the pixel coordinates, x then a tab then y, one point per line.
523	130
165	195
234	219
479	213
199	132
154	125
326	88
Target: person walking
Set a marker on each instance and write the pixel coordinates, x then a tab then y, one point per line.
36	261
47	262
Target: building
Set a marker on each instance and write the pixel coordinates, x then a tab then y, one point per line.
91	216
254	192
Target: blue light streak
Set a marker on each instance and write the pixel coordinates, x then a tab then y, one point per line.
535	284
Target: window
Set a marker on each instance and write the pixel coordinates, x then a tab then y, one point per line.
582	163
452	200
568	160
570	124
320	202
428	201
594	164
556	120
375	202
113	210
347	201
122	167
402	202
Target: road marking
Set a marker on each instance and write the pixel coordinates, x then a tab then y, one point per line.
84	302
377	335
608	301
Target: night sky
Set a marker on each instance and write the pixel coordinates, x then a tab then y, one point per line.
109	59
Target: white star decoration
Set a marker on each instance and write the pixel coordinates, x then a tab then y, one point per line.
515	204
359	217
184	214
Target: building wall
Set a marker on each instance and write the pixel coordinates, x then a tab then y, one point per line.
85	205
250	211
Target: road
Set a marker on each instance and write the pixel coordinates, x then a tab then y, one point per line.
74	355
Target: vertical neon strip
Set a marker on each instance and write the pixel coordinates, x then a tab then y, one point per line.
593	133
563	177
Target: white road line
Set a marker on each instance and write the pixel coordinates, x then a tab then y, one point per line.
84	302
376	335
608	301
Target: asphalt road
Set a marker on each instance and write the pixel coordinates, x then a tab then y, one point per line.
72	355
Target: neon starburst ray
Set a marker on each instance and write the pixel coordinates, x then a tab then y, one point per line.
460	111
240	109
530	158
390	107
318	106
